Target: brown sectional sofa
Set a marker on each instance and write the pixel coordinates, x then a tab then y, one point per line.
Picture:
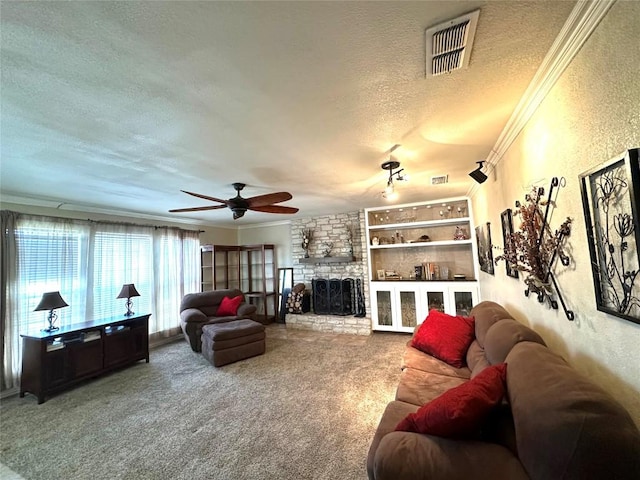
199	309
554	423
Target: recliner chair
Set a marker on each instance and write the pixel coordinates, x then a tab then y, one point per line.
199	309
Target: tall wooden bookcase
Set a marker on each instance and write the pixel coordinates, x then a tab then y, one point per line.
250	268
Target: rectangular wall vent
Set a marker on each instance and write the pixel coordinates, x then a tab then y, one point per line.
448	45
439	180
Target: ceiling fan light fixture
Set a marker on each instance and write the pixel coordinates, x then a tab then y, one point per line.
389	191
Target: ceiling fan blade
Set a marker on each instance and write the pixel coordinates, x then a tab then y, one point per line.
197	209
205	197
268	199
274	209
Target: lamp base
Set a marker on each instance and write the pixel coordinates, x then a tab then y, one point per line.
50	329
129	313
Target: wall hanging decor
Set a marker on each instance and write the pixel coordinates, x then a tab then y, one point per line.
485	254
534	248
610	198
507	232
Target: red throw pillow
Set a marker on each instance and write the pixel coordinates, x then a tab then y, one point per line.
445	337
460	412
229	306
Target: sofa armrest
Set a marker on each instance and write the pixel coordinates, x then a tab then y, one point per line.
408	456
246	310
193	315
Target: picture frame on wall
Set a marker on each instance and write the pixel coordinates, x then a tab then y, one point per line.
610	199
485	255
506	219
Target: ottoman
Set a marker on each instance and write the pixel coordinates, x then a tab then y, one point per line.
228	342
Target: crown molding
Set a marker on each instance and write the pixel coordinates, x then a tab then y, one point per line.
66	206
582	21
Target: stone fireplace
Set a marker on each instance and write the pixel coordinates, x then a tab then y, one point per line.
346	263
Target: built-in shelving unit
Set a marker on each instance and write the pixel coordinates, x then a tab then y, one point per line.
420	256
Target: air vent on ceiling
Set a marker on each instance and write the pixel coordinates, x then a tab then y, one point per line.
439	180
448	45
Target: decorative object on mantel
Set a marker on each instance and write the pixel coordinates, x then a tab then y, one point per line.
610	199
326	251
351	233
485	254
50	301
307	236
534	248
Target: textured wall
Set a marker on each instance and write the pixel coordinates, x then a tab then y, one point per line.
590	116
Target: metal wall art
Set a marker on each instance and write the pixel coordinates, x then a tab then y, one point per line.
534	248
507	232
485	254
610	198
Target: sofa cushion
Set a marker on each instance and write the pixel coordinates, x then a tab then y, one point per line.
414	358
460	411
486	314
411	456
418	387
566	426
393	413
229	306
503	335
446	337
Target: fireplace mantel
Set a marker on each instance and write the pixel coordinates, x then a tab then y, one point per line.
319	260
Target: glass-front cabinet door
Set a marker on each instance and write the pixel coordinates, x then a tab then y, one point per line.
407	297
381	308
463	300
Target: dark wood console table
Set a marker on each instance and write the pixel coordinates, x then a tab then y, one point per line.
53	361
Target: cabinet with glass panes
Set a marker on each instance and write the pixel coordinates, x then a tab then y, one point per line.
421	256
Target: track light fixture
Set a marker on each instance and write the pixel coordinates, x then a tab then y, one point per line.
391	165
477	174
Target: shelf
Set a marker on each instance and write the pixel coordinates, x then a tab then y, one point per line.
424	223
320	260
438	243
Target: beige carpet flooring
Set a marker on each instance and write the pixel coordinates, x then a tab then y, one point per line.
306	409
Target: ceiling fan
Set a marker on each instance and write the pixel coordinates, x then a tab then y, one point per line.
239	205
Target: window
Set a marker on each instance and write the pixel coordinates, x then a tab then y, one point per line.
88	262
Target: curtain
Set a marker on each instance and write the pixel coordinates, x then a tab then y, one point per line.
88	262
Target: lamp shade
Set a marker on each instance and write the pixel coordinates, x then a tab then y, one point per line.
128	291
51	300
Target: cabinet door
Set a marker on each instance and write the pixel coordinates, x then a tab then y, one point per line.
85	358
382	306
462	299
434	297
118	348
408	303
56	368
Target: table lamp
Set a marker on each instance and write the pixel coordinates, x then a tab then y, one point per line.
50	301
128	291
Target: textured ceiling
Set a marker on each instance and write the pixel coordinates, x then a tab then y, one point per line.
120	105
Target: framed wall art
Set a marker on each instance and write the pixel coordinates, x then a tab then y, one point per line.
485	256
506	219
610	199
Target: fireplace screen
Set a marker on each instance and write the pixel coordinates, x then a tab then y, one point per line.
334	297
